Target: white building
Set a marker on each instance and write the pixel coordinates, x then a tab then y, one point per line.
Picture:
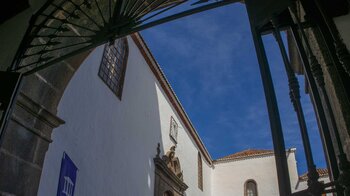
233	172
126	107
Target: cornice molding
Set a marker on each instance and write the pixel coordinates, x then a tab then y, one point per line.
38	111
247	157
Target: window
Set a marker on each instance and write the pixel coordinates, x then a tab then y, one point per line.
200	172
251	188
173	129
113	65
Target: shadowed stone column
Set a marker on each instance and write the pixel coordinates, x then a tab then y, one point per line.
28	134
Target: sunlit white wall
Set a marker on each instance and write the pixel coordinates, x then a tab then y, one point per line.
113	142
229	177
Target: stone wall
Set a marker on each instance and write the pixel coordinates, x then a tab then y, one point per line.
334	75
28	134
335	88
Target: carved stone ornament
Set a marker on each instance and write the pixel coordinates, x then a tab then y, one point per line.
169	176
173	162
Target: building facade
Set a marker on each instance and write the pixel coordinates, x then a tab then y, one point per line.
112	136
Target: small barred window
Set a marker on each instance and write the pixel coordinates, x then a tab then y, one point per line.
113	65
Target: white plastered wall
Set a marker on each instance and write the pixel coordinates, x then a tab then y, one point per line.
229	177
113	142
186	150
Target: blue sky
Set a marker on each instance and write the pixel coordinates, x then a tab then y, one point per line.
210	61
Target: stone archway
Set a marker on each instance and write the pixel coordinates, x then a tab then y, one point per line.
28	133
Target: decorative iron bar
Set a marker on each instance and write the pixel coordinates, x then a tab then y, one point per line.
325	133
314	186
283	178
344	164
63	28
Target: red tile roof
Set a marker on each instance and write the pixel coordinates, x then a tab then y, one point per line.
321	172
245	154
